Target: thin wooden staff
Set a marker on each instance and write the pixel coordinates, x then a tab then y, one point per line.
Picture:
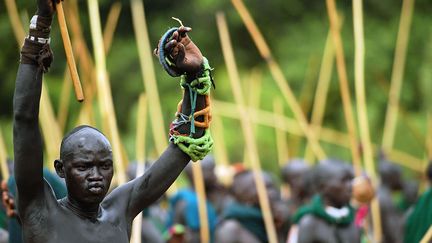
69	53
397	74
429	136
252	86
202	202
3	158
104	90
148	73
246	127
362	112
278	76
305	96
111	24
219	150
17	26
266	118
141	125
344	84
63	107
428	236
281	142
321	92
50	128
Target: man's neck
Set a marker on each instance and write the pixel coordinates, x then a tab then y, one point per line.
85	211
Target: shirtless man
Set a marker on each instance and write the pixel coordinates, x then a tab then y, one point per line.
86	161
242	219
329	216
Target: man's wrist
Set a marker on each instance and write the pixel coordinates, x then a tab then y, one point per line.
40	27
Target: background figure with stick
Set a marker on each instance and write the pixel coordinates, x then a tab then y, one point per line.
87	214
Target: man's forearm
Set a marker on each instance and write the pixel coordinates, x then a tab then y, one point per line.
36	57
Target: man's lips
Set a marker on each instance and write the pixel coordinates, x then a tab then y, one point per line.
96	188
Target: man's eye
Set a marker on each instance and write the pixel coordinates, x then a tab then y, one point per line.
106	166
81	167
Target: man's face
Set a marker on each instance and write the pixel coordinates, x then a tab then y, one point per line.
338	188
89	167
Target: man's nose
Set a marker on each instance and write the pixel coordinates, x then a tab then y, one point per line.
95	174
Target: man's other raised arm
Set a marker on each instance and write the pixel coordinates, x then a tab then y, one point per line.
188	142
36	57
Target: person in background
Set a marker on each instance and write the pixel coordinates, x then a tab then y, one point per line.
329	217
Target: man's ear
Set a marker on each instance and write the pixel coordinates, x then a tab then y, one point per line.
59	167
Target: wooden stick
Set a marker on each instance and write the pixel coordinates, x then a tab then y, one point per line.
202	202
50	128
428	236
147	71
104	90
266	118
281	142
69	53
429	136
344	84
17	26
362	112
141	125
3	158
246	127
221	155
278	76
321	92
63	107
111	24
397	74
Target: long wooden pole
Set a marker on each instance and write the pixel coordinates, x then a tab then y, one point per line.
111	24
278	76
3	158
104	91
344	84
266	118
140	145
281	142
147	70
69	53
202	202
220	152
362	111
246	127
397	74
321	92
17	26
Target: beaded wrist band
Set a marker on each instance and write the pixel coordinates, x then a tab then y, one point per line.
196	148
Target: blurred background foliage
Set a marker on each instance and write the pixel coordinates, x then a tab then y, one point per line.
295	31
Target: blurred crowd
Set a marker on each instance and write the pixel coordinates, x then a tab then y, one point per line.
325	202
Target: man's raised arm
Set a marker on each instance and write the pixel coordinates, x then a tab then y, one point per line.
36	57
189	135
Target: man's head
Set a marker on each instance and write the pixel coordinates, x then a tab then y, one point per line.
245	191
293	173
391	175
86	164
334	180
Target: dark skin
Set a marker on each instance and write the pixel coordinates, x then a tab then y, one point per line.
334	181
86	163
